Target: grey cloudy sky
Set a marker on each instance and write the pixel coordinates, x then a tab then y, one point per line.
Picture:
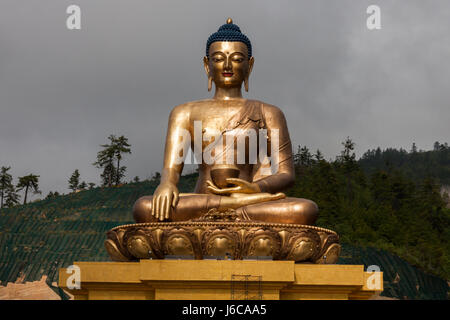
63	92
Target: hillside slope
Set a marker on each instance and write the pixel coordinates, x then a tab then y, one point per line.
41	237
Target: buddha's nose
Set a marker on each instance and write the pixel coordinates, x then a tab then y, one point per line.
228	64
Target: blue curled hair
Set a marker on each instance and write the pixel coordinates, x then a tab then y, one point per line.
229	32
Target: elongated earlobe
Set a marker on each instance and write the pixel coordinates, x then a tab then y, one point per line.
209	83
250	68
206	65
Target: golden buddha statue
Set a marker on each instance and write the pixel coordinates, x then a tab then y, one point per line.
228	63
245	161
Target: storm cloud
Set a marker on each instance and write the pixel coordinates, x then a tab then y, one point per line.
62	92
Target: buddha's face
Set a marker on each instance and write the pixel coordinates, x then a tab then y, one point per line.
228	64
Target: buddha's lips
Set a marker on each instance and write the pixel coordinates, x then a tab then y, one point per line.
227	74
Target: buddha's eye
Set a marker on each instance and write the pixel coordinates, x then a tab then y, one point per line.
238	59
217	59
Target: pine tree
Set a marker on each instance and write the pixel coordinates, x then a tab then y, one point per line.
28	182
347	161
105	161
414	148
74	181
436	146
111	152
318	156
5	184
121	146
52	194
82	186
303	157
108	174
11	197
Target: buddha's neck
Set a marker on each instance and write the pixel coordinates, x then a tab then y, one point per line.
228	93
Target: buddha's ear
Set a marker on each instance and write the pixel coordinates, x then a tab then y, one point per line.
251	61
250	68
206	65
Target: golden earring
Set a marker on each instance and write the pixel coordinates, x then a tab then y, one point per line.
209	83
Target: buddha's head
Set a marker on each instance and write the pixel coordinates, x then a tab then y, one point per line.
228	61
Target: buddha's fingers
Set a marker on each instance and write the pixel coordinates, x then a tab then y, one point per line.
176	197
278	196
209	183
168	206
237	181
158	199
163	208
223	191
153	206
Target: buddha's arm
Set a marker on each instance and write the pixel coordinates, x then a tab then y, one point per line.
167	195
175	142
285	175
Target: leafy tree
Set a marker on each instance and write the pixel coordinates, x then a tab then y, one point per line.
91	185
28	182
136	179
74	181
5	184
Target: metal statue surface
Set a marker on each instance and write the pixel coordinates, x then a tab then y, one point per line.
245	161
253	195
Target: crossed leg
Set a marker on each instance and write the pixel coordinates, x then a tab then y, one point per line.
192	206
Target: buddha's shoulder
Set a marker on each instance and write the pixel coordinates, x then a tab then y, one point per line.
267	108
189	106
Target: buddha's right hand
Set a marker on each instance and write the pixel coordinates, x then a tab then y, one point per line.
164	197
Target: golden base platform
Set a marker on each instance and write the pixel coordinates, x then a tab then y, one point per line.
220	280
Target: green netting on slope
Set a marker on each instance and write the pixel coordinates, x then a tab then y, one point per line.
401	280
42	237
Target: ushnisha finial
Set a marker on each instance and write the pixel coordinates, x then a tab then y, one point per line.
229	21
